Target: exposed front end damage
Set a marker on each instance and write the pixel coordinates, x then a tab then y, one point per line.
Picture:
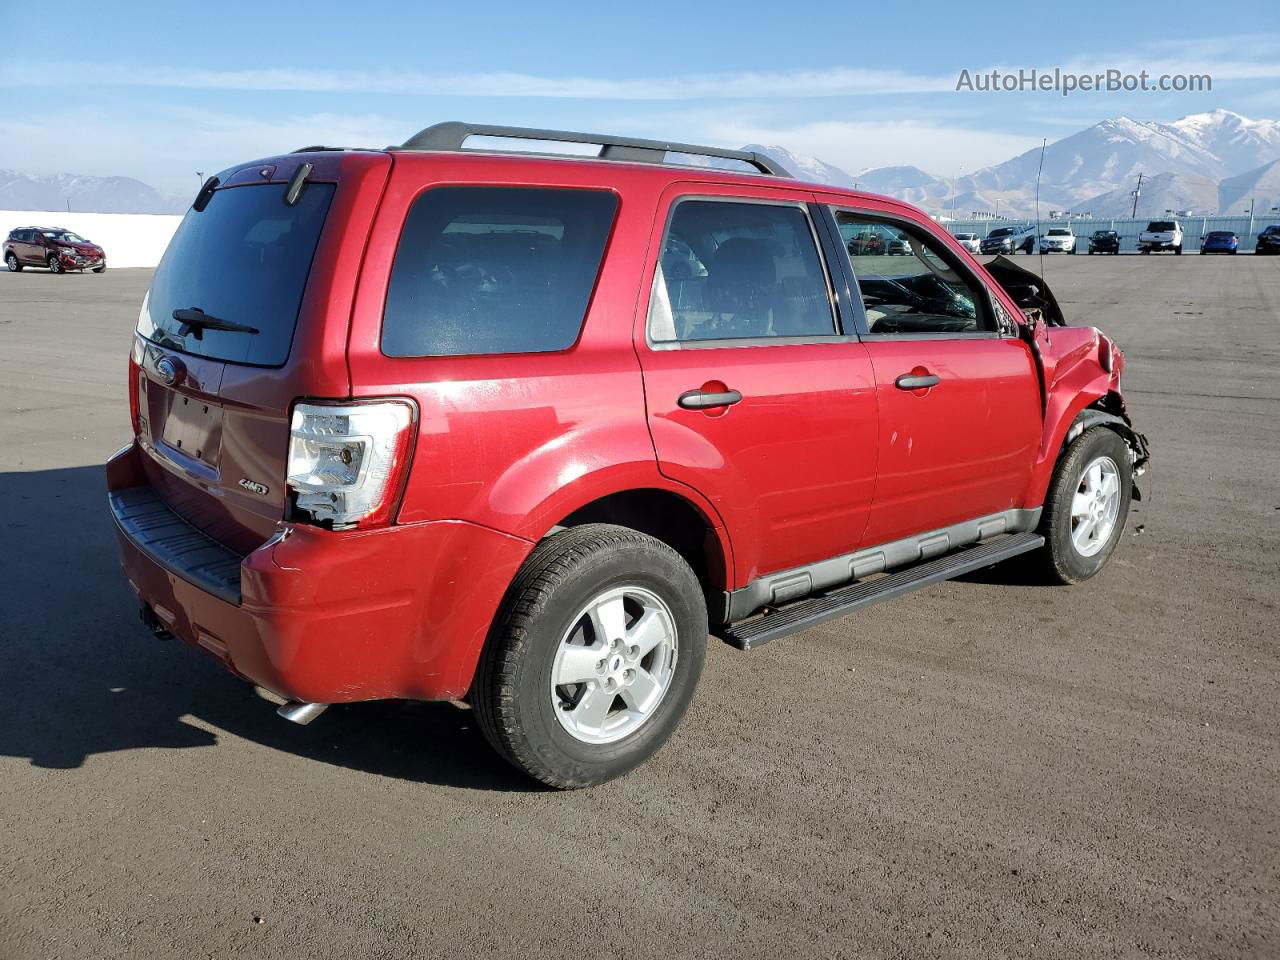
1080	370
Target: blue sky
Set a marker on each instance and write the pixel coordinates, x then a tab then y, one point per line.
161	90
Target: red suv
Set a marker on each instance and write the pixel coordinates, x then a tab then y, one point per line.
435	423
53	247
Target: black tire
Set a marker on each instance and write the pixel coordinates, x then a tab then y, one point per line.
54	264
512	692
1061	561
1177	251
1146	249
101	269
13	263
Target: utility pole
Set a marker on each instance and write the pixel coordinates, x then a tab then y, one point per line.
1136	194
1251	199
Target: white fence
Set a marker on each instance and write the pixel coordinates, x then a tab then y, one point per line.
130	239
1193	228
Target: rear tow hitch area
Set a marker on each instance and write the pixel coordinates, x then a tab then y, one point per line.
153	623
300	711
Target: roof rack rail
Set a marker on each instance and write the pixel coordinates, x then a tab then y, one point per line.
452	135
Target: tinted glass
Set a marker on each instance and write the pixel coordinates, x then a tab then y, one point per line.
736	271
1002	232
907	286
243	259
484	270
1161	226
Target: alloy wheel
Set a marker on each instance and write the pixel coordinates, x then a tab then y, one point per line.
614	665
1095	506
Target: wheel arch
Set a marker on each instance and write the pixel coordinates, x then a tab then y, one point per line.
673	517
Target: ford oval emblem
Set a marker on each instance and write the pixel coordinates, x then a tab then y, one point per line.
170	370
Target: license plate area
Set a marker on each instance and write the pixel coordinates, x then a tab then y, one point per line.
193	428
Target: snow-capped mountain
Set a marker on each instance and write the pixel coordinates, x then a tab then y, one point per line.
20	191
804	167
1094	169
1240	143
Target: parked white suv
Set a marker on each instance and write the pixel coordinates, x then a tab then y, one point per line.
1161	235
969	241
1058	240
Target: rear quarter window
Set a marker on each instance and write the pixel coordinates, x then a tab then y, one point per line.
491	270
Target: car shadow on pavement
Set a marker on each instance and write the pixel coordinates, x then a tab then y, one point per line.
81	676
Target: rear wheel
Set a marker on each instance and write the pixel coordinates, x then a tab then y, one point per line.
55	264
11	261
1088	503
594	657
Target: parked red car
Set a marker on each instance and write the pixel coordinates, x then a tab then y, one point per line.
53	247
434	423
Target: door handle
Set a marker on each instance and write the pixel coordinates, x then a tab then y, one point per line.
910	381
697	400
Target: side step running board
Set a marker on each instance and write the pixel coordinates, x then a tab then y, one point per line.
794	617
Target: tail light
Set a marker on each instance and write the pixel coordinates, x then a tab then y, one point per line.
348	462
134	410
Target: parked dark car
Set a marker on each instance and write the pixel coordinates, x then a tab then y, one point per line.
397	430
1104	241
53	247
1009	240
1220	241
1268	241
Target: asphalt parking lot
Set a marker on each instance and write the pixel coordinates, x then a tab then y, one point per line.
988	768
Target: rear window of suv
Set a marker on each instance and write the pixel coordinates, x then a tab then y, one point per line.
1161	226
489	270
243	259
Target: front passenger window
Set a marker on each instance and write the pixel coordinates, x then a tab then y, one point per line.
907	287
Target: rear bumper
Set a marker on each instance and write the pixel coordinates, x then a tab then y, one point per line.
400	612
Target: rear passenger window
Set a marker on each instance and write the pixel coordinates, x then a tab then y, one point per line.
484	270
738	271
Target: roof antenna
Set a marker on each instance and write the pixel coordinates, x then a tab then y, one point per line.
1039	245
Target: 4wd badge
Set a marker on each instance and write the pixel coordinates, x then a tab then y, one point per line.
254	487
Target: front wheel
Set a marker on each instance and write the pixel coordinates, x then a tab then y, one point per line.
1088	503
12	262
1177	251
593	659
100	269
55	264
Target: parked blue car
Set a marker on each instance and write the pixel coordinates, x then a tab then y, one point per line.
1220	241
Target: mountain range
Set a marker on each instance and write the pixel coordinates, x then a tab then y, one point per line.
1216	162
1206	162
82	194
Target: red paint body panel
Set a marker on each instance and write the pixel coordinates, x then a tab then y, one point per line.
400	612
824	454
958	450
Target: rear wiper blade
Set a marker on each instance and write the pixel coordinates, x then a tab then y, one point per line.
195	320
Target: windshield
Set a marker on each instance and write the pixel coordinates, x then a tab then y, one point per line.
1220	235
244	259
1002	232
966	236
1059	233
66	236
1105	233
1160	226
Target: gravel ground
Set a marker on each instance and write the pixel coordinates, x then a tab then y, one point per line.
987	768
